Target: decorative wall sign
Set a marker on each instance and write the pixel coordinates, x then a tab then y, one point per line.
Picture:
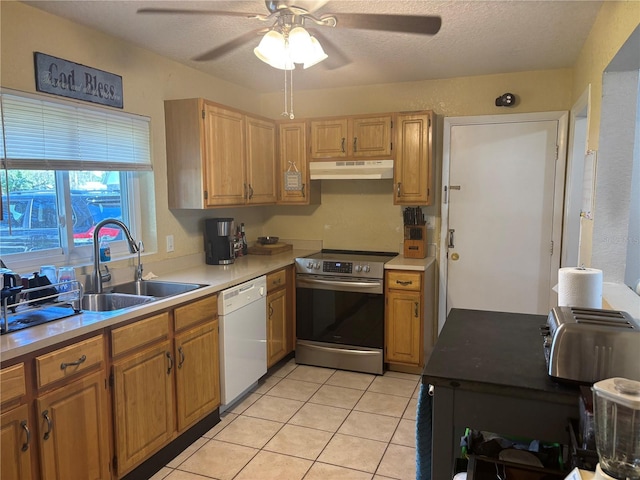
69	79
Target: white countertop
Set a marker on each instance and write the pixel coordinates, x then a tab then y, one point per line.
217	277
402	263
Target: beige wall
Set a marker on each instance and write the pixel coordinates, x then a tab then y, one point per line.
353	214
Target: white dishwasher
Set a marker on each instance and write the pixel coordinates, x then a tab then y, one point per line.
243	338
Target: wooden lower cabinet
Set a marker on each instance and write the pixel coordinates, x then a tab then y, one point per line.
276	326
16	440
403	332
73	433
143	404
197	373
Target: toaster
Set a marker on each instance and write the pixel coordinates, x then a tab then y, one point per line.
586	345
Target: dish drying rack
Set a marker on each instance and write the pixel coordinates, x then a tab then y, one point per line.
29	310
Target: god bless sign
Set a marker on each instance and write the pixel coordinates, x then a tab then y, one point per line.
69	79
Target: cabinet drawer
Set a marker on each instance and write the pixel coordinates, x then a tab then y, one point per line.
196	312
12	383
142	332
276	280
69	361
399	280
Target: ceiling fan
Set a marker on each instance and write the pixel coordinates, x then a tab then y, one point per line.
288	19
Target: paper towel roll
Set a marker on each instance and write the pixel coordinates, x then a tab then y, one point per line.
580	287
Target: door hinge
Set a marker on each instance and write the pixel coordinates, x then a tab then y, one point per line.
392	146
429	122
114	463
551	249
391	123
203	113
557	151
206	195
111	380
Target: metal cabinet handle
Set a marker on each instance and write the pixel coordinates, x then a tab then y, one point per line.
451	231
80	361
404	283
398	188
416	313
250	192
355	144
270	310
170	363
45	415
25	445
181	352
302	191
342	145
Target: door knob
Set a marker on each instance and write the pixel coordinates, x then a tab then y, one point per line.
455	256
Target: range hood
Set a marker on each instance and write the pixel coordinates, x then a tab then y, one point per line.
351	170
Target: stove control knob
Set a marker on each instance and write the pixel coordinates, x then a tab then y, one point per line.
309	264
358	268
366	269
316	265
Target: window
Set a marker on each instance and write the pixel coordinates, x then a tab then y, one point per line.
66	168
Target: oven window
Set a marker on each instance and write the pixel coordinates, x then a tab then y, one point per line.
340	317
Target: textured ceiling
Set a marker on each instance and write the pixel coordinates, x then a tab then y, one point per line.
477	38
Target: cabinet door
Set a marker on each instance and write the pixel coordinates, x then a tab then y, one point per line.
403	327
197	373
413	165
329	138
73	430
261	161
293	157
143	405
371	137
16	446
276	326
225	152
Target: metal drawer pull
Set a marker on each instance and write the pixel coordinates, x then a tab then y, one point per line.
170	363
398	188
181	357
404	283
25	445
45	415
270	310
80	361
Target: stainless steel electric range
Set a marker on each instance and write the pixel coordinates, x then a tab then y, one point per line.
340	310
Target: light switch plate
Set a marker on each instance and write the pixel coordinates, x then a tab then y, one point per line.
169	243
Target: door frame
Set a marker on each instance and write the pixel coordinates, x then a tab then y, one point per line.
558	201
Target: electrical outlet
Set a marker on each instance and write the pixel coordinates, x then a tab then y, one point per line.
169	243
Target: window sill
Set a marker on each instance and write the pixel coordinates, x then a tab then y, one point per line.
618	296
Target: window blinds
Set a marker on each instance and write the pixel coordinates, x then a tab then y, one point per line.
42	134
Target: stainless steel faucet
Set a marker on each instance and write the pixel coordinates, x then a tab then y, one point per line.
133	248
139	267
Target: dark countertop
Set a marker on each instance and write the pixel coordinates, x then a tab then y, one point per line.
495	352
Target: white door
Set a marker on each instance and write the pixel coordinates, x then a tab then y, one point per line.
502	212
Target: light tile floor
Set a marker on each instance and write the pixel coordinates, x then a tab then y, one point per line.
310	423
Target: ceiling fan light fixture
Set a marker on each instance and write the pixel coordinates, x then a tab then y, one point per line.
316	54
300	44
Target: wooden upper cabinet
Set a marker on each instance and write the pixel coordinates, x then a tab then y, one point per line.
224	142
371	136
351	137
292	139
413	166
218	156
260	161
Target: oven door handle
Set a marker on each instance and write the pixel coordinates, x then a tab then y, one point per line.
339	283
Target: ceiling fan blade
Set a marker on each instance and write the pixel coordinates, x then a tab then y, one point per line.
424	25
182	11
336	58
225	48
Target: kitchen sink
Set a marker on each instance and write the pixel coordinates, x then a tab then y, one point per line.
155	288
105	302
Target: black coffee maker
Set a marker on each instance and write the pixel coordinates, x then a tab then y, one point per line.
218	241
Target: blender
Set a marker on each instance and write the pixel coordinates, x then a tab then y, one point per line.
616	405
